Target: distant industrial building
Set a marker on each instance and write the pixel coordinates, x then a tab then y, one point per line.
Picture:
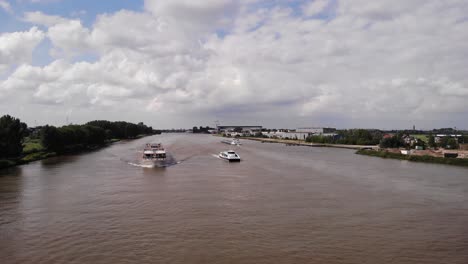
239	130
289	135
438	137
302	133
316	130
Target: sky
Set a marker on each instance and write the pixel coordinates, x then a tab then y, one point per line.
387	64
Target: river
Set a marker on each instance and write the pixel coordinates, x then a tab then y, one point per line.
281	204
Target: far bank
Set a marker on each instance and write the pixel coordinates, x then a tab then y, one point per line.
374	151
43	154
416	158
293	142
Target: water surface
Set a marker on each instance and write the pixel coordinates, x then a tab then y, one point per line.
281	204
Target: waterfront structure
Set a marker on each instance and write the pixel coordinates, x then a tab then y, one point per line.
239	130
316	130
439	137
286	135
301	133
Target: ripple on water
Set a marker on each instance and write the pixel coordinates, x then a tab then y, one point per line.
280	205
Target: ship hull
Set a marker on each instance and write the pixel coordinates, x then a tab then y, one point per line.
154	162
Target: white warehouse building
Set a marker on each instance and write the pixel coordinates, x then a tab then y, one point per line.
316	130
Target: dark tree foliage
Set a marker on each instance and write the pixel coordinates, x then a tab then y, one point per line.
350	137
392	142
121	129
448	130
260	135
95	133
448	143
51	138
202	130
464	139
12	132
431	141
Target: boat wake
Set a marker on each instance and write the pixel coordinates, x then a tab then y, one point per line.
141	165
170	161
151	166
216	156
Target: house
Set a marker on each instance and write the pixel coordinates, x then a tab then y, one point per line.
387	136
439	137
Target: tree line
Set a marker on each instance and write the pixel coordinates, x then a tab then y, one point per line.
65	138
349	137
398	141
12	133
202	130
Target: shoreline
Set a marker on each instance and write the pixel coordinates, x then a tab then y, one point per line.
42	155
372	151
414	158
292	142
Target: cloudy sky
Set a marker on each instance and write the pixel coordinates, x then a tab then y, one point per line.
278	63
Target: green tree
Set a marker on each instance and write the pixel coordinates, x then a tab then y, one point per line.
12	132
431	141
452	144
391	142
51	138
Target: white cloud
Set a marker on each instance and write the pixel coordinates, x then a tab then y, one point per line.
315	7
373	64
193	16
40	18
16	48
70	38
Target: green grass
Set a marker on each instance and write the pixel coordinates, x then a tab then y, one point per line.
32	146
37	156
426	158
424	138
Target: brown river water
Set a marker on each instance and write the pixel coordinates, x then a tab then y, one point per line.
281	204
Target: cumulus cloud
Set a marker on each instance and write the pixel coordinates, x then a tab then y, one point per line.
43	19
16	48
370	64
69	38
195	16
315	7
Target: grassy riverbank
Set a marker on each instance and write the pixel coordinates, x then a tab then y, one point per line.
307	144
34	151
425	159
26	159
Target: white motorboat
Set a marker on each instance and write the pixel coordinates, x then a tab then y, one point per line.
154	154
233	142
230	156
